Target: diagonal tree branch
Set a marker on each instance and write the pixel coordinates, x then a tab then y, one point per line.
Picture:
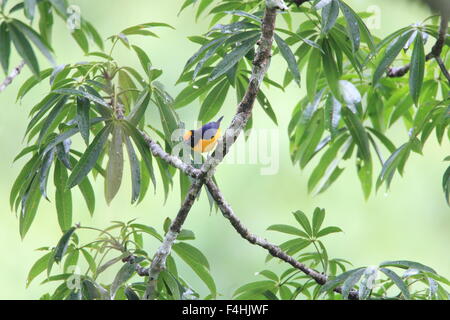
10	78
274	250
260	66
436	51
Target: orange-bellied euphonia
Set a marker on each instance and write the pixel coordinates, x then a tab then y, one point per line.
205	138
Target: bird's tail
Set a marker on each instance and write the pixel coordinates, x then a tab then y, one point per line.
220	120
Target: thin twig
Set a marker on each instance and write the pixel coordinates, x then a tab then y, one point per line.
10	78
174	161
443	68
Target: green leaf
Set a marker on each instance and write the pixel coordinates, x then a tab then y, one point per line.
269	275
313	73
187	251
63	244
124	274
5	47
45	20
63	197
287	54
93	33
90	290
255	287
328	162
139	109
172	284
80	93
214	101
83	118
30	8
327	231
417	72
446	185
24	49
168	116
130	294
404	264
88	194
230	60
398	282
44	171
390	54
352	25
318	217
358	133
311	138
288	230
135	170
192	92
142	147
143	58
30	204
333	283
114	169
186	235
38	267
330	14
81	40
52	119
199	268
330	69
304	222
266	105
202	7
391	165
34	37
89	158
351	281
90	260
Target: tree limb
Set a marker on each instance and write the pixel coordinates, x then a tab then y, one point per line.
274	250
10	78
260	66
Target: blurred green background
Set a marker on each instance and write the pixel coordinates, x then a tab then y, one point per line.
410	222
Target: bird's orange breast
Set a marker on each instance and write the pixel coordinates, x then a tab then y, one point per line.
204	145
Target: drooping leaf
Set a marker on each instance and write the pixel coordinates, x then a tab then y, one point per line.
114	168
287	54
89	158
5	46
398	282
417	72
214	101
63	197
124	274
24	49
63	244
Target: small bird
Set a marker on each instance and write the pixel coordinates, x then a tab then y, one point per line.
204	139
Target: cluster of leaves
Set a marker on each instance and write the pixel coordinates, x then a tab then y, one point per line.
97	98
417	282
81	267
349	104
223	61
